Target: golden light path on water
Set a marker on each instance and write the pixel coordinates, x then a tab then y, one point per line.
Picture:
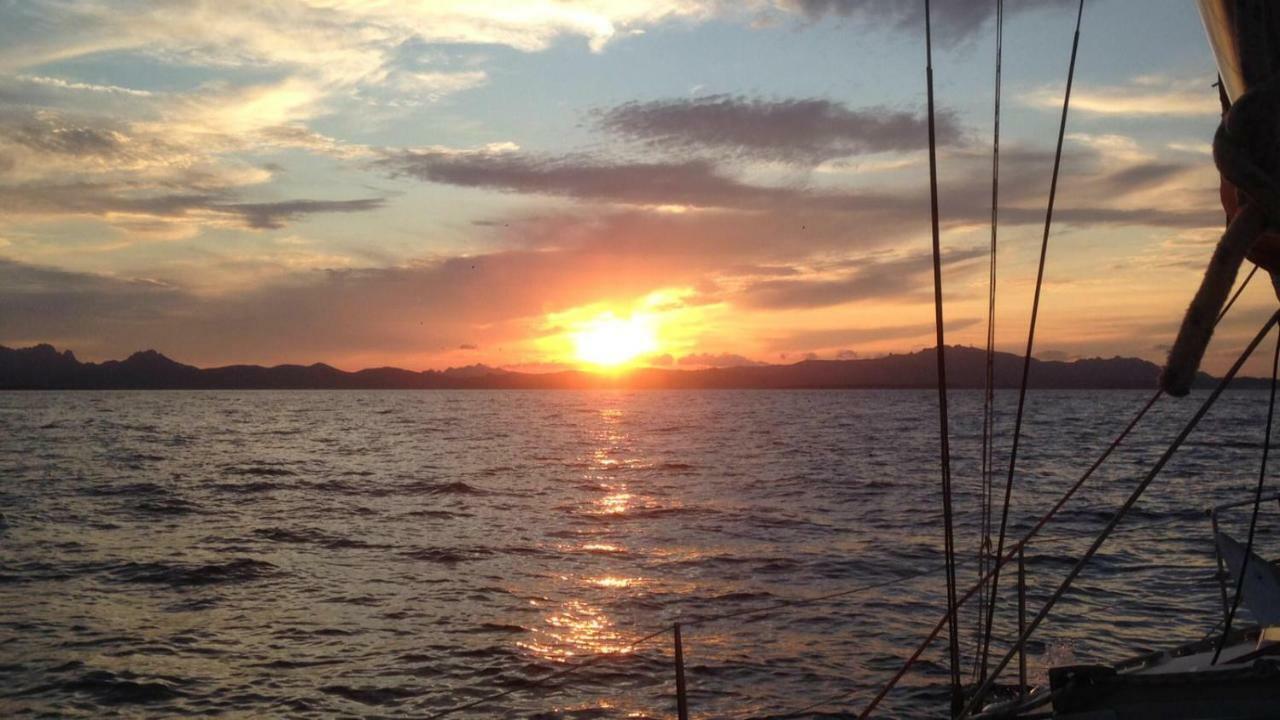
578	627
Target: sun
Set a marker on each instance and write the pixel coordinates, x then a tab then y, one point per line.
609	341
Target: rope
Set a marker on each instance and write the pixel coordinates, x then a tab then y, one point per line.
1119	515
1031	334
944	425
811	600
1257	505
988	398
1239	290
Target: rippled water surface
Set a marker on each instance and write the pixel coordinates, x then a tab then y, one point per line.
314	554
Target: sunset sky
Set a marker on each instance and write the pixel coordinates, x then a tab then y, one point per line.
449	182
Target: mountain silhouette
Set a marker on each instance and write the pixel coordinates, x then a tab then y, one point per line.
44	367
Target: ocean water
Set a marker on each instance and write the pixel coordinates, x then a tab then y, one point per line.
394	554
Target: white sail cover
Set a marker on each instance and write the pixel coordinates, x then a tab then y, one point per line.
1261	583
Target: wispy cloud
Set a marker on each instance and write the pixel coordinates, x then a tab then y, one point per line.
88	87
1147	96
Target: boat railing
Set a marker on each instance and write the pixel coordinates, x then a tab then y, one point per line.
1223	575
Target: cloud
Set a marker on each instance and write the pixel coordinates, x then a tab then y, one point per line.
718	360
78	141
1098	187
874	277
833	338
273	215
46	304
88	87
1148	96
696	183
120	201
434	85
793	130
348	42
423	308
70	164
959	18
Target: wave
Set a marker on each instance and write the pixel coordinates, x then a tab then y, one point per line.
451	488
259	471
179	575
446	556
371	695
247	488
109	688
312	536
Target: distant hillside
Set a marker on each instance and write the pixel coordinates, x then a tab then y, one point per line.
43	367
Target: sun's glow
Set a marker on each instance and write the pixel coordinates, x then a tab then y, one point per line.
610	341
615	337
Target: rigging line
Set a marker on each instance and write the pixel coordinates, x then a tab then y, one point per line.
545	678
943	423
1119	515
810	600
799	602
768	608
1012	553
1236	295
1031	334
1044	520
1257	505
988	398
1060	536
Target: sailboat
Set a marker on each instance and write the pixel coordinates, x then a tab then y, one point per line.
1233	672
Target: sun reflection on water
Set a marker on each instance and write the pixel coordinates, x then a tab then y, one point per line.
581	621
578	628
613	581
615	503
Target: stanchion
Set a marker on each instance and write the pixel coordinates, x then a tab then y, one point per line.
1022	622
682	702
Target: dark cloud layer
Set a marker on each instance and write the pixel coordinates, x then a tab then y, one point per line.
273	215
957	19
1093	190
869	278
831	338
75	141
103	198
792	130
696	182
716	360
